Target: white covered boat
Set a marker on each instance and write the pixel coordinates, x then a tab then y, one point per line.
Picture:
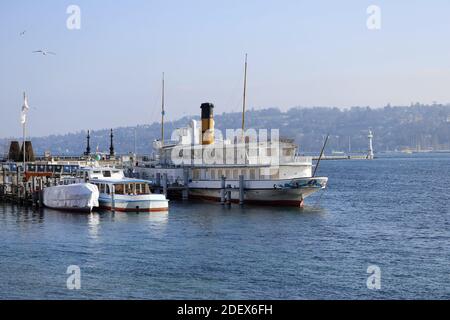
74	197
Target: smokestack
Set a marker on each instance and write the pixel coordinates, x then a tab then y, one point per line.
207	123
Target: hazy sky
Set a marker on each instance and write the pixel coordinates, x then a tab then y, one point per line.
307	53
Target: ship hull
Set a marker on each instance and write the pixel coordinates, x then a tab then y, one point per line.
152	203
292	196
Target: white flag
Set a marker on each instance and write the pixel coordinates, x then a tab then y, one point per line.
25	107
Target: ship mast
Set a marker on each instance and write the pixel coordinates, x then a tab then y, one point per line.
244	97
162	112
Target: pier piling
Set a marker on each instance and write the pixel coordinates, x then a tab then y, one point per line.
158	181
229	194
185	192
164	182
222	190
241	189
113	199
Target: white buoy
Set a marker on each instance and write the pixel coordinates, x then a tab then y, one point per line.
370	151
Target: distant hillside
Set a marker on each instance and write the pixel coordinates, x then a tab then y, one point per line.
395	128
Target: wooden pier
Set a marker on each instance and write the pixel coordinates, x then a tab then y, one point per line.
25	188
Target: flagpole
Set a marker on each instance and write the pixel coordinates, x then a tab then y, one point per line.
24	139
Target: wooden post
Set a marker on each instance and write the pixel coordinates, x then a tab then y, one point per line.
164	184
33	199
222	190
186	184
25	190
41	198
113	198
241	189
17	184
158	182
229	194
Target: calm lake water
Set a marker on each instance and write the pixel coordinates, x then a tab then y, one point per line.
393	212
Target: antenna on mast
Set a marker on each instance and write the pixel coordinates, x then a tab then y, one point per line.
245	96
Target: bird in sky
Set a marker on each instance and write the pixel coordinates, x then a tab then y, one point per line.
23	33
44	52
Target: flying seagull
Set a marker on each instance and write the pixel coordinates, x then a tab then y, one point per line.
44	52
23	32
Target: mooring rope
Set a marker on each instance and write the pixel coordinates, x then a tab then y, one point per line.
318	200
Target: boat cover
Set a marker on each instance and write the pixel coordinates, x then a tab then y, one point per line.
72	196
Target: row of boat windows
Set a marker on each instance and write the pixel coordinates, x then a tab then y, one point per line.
105	173
255	151
233	174
124	188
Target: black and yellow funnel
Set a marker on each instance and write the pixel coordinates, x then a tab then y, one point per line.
207	123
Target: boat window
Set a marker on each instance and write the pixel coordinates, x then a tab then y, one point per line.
274	173
213	174
107	174
264	174
107	189
235	174
196	174
129	188
119	188
219	175
96	171
102	188
252	174
227	174
142	188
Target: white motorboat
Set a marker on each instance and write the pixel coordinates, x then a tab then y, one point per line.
81	197
122	194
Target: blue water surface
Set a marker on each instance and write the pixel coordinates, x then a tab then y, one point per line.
392	212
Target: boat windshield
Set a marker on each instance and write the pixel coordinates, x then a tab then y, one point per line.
133	188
